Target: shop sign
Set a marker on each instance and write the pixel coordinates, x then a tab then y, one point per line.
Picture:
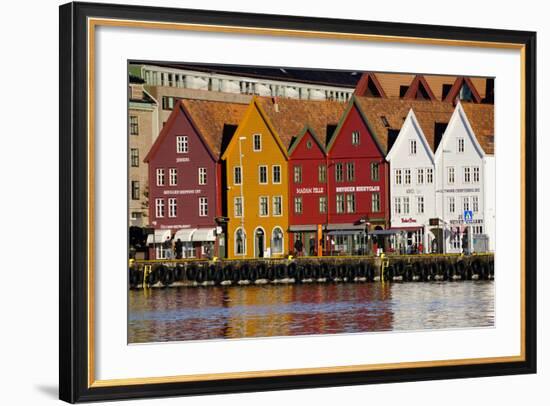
309	190
408	220
357	189
182	192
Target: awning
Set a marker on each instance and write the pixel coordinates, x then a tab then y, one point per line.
204	234
303	227
185	234
346	226
384	232
158	237
346	232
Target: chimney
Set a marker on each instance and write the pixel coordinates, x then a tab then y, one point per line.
136	91
275	101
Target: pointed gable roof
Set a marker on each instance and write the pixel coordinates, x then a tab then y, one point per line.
290	116
389	115
354	103
457	86
459	116
419	84
298	139
411	121
369	86
254	105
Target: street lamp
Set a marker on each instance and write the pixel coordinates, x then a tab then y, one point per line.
242	197
444	151
363	220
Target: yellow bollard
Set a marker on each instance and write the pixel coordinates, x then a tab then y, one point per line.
146	271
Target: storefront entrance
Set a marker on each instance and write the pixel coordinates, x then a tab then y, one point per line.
259	244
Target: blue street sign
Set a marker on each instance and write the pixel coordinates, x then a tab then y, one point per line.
468	216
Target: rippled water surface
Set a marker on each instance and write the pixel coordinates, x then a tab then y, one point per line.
199	313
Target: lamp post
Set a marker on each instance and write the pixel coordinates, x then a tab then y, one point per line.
444	240
242	197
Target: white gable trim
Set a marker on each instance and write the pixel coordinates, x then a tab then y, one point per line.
460	115
411	121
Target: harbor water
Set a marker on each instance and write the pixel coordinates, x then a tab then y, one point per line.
202	313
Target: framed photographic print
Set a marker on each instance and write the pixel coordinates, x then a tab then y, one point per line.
257	202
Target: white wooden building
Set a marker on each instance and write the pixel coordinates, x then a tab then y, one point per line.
460	167
412	187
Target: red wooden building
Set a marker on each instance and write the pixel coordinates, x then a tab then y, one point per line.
307	191
357	184
185	180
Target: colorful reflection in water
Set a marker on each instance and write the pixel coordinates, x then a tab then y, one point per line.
177	314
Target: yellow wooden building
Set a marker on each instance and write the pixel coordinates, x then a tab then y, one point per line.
255	170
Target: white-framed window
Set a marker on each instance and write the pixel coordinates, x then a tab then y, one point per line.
466	203
322	169
340	203
451	175
376	202
203	206
355	138
407	176
339	172
264	206
350	169
429	175
257	145
375	171
297	174
277	203
262	174
277	242
467	174
159	208
455	238
350	202
202	176
475	171
398	176
406	205
322	204
460	144
135	190
451	204
475	204
238	206
160	177
240	242
412	147
420	204
298	205
237	175
420	176
397	205
182	144
276	174
134	125
172	207
173	176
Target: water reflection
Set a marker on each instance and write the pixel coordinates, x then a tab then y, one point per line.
177	314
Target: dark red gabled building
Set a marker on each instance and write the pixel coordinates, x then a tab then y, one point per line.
185	179
357	184
307	168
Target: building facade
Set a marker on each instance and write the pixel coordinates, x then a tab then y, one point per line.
357	184
460	196
308	176
412	187
256	178
142	127
183	184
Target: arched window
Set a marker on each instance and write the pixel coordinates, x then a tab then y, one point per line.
240	242
277	241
